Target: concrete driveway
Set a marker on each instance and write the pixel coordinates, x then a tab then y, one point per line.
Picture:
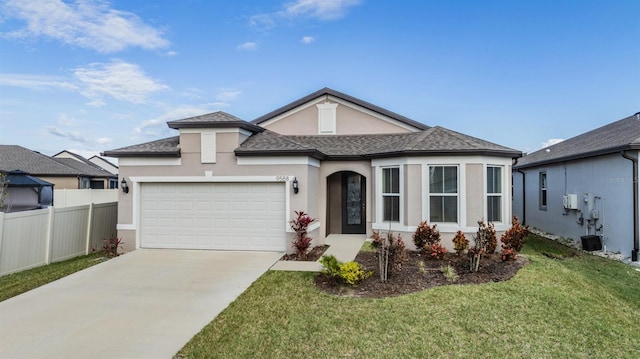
145	304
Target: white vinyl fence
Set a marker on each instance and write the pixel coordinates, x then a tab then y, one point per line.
79	197
34	238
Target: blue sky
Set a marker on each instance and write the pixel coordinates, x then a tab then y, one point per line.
89	76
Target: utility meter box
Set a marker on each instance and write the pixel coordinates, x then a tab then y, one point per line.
570	201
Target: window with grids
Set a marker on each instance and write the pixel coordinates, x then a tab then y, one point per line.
443	194
543	190
494	194
391	194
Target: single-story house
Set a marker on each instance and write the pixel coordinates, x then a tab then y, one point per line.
64	173
225	183
24	192
585	186
100	178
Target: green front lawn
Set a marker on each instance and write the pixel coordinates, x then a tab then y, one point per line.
578	307
17	283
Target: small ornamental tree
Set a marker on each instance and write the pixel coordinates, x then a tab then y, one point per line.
460	242
302	240
391	253
513	239
489	236
481	239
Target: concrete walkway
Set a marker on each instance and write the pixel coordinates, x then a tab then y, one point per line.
145	304
344	246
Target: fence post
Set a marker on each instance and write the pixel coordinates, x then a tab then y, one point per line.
49	236
1	231
88	239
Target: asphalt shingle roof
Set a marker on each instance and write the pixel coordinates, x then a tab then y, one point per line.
215	120
84	168
166	147
433	141
14	157
614	137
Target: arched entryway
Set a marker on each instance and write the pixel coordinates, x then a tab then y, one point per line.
346	203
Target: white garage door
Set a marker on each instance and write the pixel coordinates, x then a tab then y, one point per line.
231	216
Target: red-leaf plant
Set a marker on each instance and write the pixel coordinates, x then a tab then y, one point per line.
302	241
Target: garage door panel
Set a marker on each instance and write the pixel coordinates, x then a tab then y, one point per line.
235	216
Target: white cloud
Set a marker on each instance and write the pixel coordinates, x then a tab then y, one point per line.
171	53
551	142
247	46
226	95
318	9
308	39
120	80
66	128
157	127
88	24
36	82
321	9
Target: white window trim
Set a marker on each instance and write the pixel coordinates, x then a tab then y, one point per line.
502	194
380	223
426	201
541	206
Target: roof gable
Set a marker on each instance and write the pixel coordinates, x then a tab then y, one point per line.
611	138
217	119
326	94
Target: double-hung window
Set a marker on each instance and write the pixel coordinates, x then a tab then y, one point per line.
494	194
443	194
543	190
391	194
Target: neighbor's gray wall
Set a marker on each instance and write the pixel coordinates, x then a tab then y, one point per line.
608	177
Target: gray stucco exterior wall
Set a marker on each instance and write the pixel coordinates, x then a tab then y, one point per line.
603	183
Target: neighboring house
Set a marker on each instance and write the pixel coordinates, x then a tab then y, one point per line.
586	185
25	192
224	183
64	173
105	165
99	177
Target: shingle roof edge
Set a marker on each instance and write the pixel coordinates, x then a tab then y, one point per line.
345	97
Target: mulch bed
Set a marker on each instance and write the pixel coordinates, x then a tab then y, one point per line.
313	255
411	279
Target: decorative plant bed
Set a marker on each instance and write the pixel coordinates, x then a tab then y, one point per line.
414	277
313	255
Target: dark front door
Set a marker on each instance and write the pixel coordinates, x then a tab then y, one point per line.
353	203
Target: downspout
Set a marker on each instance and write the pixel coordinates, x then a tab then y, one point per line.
523	220
636	240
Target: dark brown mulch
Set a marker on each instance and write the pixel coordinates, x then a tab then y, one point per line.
411	279
313	255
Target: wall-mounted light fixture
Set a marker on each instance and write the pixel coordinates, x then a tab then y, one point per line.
294	185
124	186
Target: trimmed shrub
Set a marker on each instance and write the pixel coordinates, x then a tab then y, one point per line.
436	251
514	237
352	273
460	242
426	235
330	265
